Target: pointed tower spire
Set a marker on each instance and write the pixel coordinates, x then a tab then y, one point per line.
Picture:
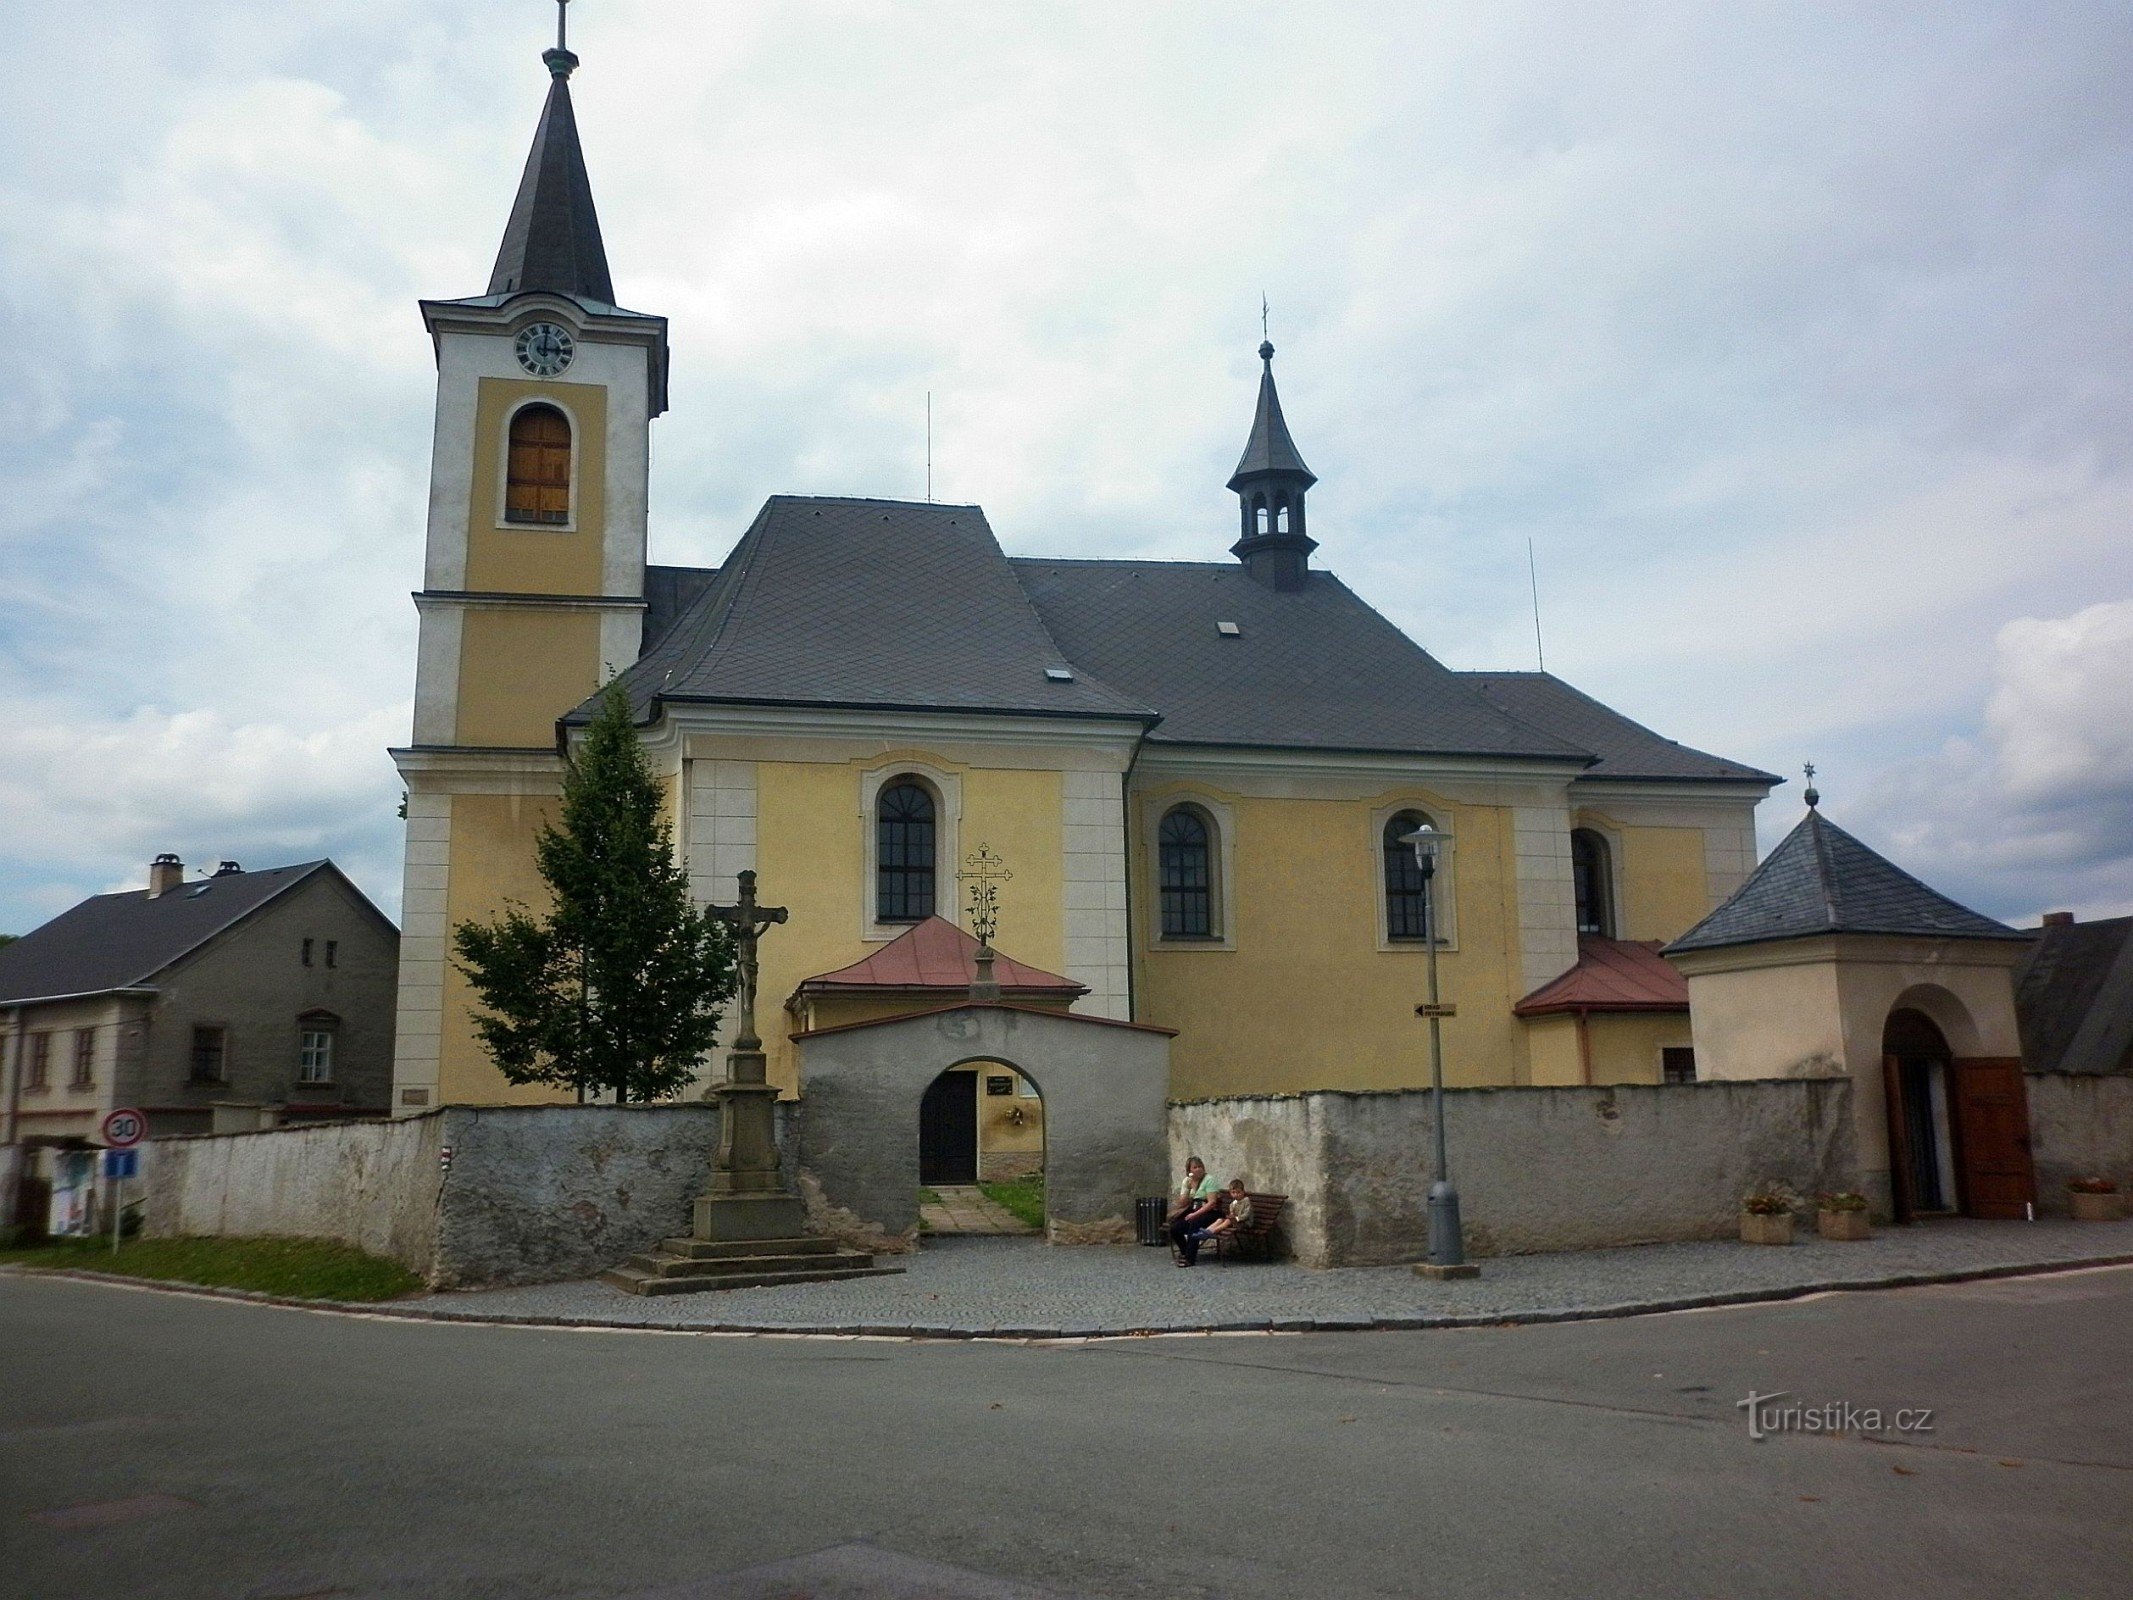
1270	482
553	238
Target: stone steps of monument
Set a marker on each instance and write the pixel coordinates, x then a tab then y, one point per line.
738	1273
725	1249
661	1264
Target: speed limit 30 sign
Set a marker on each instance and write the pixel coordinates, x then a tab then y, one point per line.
124	1128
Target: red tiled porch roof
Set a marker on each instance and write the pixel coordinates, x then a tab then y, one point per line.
935	957
1611	975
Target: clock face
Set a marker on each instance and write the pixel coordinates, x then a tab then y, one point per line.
544	349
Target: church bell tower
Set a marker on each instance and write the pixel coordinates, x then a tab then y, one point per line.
533	572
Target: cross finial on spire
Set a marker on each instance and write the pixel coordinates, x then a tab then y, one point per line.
560	60
1266	341
1812	797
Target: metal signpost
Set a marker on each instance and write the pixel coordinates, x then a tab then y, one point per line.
121	1131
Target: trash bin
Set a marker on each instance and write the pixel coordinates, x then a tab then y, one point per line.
1149	1216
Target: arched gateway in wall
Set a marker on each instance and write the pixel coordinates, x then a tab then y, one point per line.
1105	1086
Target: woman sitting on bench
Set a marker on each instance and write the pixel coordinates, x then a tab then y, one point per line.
1199	1202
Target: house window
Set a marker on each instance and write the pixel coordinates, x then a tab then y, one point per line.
210	1054
1405	909
333	952
84	1057
1185	874
307	953
904	821
314	1051
40	1073
1594	882
1677	1064
537	483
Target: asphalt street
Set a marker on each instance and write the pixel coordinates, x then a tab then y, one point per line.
154	1444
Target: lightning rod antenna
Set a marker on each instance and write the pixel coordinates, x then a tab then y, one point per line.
1540	655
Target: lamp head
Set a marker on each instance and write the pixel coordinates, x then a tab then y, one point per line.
1424	842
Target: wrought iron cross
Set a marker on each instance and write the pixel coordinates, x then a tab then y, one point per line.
747	920
984	871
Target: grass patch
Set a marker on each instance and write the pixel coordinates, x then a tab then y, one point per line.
928	1197
1023	1197
308	1269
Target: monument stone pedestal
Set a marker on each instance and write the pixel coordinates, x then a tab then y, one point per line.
749	1228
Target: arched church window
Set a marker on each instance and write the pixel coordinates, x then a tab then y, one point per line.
1185	861
537	480
1261	519
1405	910
1594	880
1281	517
903	849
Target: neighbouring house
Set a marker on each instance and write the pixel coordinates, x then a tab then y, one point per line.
2074	995
234	1000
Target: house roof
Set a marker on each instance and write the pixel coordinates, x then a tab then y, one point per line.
1626	749
2074	997
552	240
935	956
1314	668
121	941
1820	880
1611	975
867	603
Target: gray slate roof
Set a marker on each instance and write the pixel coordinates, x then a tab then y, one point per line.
1311	669
668	593
1626	749
552	240
1820	880
873	603
2074	998
118	941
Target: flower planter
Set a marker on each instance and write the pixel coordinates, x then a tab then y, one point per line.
1759	1228
2098	1207
1844	1225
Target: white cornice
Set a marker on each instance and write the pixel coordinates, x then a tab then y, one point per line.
1598	791
496	600
471	767
1215	762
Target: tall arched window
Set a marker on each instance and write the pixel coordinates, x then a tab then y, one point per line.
1185	874
903	852
1261	520
1404	910
537	481
1594	881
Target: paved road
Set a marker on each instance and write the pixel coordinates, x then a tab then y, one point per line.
160	1445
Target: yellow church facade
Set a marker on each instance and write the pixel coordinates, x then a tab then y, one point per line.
1197	774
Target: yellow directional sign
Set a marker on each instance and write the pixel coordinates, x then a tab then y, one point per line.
1447	1009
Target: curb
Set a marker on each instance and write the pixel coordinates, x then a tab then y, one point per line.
1416	1322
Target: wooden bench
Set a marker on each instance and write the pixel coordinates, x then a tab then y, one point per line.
1256	1235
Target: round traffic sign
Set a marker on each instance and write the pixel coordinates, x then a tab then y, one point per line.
124	1128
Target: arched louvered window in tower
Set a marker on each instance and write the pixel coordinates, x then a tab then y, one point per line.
1594	880
1405	911
537	480
1185	870
904	823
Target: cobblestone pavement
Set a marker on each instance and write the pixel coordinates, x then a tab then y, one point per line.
1024	1288
967	1209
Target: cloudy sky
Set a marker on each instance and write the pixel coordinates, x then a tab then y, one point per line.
1794	337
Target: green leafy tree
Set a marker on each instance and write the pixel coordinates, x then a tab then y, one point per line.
620	986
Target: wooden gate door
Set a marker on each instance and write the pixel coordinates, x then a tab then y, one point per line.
1992	1137
948	1130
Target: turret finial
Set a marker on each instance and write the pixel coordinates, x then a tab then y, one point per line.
561	63
1813	796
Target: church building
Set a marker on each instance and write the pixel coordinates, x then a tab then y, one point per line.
1199	774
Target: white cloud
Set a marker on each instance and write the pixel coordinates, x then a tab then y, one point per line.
2034	809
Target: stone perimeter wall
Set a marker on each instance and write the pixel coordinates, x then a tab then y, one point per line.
1537	1168
533	1194
2080	1126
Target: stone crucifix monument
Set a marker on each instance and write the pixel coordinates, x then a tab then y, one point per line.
748	1198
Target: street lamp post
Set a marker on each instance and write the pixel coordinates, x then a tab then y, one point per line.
1447	1243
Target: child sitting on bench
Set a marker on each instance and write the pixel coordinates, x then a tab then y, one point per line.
1236	1216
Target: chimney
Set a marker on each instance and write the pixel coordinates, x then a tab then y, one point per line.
165	873
226	868
2058	919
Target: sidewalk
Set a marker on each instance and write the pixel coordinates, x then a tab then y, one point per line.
971	1212
1021	1288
